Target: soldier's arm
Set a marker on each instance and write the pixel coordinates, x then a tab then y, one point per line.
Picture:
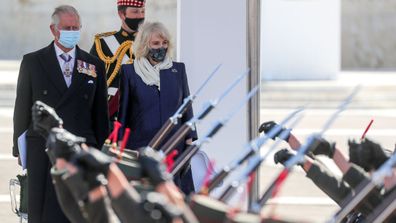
127	203
320	176
293	142
325	148
335	188
341	161
354	177
78	202
124	198
98	210
23	104
65	197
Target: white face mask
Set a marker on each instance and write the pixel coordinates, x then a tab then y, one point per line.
69	38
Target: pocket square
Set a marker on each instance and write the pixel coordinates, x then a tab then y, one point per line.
90	82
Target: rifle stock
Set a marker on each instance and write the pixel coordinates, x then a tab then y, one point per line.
363	190
172	121
386	210
176	139
161	134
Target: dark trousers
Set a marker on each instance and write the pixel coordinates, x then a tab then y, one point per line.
43	206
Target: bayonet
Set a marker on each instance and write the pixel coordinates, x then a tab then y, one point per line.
183	159
190	125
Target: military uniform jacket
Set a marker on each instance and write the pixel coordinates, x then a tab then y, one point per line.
113	62
339	189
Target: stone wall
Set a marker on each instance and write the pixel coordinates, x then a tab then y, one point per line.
368	37
368	34
25	23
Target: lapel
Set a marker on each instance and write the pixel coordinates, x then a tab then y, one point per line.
50	64
77	78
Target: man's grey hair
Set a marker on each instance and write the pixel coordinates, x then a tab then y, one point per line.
63	9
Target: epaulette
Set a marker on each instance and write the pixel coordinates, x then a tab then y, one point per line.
101	35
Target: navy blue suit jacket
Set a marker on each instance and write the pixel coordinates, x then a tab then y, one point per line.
144	109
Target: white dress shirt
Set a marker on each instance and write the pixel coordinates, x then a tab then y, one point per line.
71	53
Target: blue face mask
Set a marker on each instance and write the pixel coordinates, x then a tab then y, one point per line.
69	38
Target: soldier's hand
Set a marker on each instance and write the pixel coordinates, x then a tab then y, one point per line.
172	192
355	154
94	165
266	127
156	207
372	154
323	147
44	118
93	160
62	144
282	156
152	166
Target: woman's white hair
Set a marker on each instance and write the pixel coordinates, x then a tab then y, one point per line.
63	9
146	31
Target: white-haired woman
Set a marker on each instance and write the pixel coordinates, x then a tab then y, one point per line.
152	89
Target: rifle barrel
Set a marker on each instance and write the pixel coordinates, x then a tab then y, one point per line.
363	189
190	125
385	210
252	148
161	134
256	207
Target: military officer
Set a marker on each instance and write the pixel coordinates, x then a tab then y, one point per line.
115	48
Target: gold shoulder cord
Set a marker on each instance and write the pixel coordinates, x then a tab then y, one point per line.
119	55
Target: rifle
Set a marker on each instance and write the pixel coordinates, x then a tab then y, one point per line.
385	210
311	143
173	120
183	159
252	148
253	164
190	125
364	189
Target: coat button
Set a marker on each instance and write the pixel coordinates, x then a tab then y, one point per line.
45	92
86	96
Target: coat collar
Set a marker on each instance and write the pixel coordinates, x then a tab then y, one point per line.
50	63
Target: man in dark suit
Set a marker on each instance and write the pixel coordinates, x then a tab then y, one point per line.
72	82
